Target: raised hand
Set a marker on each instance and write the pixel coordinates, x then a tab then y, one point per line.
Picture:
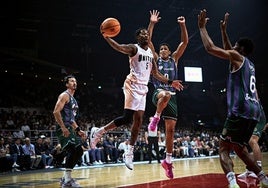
223	23
181	20
154	16
202	18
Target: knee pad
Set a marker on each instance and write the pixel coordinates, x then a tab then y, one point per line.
125	119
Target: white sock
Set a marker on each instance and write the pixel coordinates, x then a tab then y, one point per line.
157	114
168	158
231	178
67	174
259	164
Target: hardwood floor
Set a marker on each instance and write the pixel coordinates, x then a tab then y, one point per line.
115	175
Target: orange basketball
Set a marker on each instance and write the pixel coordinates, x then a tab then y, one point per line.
110	27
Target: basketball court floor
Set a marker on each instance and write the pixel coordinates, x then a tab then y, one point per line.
188	173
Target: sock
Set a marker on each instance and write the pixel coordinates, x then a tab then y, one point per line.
231	178
168	158
157	114
259	164
67	174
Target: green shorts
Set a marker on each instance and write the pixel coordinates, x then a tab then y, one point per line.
238	130
171	110
260	125
66	142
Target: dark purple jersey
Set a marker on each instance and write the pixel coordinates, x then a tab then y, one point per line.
242	98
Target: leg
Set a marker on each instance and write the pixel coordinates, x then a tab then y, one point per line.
167	163
225	159
137	121
162	98
96	133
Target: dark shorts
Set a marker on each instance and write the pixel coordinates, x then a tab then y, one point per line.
260	125
66	142
238	130
171	110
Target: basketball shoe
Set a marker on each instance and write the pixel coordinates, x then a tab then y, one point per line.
247	174
71	183
264	182
153	124
168	169
128	158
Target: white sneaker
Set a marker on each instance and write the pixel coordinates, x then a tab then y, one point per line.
96	163
264	183
128	159
243	175
94	137
252	175
247	174
84	164
71	183
100	162
15	165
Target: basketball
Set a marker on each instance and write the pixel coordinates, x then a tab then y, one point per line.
110	27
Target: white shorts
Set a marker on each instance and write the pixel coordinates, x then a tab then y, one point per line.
135	95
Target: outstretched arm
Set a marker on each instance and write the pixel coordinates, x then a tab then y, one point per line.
184	39
153	20
232	55
225	38
129	49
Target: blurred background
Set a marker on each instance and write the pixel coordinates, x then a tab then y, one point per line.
42	41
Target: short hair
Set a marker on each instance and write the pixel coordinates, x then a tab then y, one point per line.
247	45
66	78
164	44
138	31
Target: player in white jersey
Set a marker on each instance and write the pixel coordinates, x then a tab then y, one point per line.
142	65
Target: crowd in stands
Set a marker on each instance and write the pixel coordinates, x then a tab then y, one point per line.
27	132
28	142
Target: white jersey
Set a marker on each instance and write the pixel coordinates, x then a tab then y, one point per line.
140	66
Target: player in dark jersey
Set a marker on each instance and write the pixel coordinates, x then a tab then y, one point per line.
242	101
68	132
164	96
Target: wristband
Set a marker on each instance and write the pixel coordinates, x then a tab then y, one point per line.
170	82
77	129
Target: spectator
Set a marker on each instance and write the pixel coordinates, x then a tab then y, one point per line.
21	161
85	157
45	153
29	149
96	156
110	150
58	156
6	161
26	129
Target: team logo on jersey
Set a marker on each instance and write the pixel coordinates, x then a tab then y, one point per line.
160	67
